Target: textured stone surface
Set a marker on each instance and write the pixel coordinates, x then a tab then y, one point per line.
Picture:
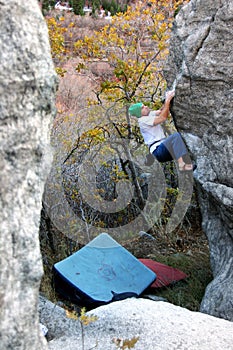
27	84
159	326
201	59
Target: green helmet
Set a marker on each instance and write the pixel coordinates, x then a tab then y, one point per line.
136	110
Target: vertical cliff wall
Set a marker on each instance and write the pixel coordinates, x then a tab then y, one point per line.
201	59
27	84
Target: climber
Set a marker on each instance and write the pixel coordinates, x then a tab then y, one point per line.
163	148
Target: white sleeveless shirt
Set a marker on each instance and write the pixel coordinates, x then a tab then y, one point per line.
149	131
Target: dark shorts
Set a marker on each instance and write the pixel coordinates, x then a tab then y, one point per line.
172	148
162	154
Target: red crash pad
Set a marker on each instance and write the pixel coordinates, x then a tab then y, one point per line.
165	274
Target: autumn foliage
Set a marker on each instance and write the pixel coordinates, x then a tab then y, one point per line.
133	47
134	44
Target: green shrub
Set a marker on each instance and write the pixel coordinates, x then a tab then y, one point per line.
78	6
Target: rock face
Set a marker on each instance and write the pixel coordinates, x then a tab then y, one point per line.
201	59
27	86
158	325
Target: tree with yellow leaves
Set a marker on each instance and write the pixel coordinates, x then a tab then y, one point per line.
135	45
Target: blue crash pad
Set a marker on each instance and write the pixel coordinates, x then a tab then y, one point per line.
101	272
